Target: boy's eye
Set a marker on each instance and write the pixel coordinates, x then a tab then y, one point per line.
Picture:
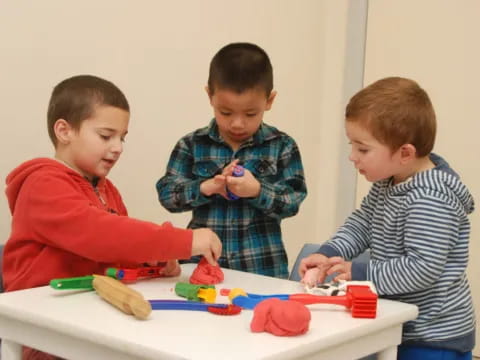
251	114
363	151
105	137
225	113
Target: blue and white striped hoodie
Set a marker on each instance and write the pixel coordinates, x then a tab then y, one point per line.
418	233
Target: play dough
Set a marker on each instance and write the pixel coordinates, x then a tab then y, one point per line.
281	317
206	274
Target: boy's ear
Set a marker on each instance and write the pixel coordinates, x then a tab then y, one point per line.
270	99
63	131
408	152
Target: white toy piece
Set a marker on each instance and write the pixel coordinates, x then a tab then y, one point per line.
329	289
336	288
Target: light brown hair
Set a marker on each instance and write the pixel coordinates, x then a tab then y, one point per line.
396	111
75	100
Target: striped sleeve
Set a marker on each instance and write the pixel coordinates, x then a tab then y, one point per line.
353	237
430	233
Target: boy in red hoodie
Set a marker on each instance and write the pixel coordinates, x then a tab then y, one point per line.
68	219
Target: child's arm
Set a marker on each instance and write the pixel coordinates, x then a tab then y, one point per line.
179	189
350	240
353	237
317	261
64	218
282	197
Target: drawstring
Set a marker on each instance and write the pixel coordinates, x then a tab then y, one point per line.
94	183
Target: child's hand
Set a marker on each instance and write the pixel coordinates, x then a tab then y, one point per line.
217	184
310	277
246	186
314	261
340	266
205	242
172	268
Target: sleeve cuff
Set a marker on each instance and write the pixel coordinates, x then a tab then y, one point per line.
265	199
193	195
328	251
359	271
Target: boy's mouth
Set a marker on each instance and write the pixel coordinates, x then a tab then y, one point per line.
237	135
109	161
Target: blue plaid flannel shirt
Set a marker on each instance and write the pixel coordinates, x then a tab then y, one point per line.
249	227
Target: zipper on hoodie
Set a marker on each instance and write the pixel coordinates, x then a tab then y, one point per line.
94	183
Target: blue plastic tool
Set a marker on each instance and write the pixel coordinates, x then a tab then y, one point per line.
219	309
238	171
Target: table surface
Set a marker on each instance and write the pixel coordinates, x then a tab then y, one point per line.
75	323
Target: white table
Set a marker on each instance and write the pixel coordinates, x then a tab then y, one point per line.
80	325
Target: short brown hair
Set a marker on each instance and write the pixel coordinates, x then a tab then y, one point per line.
240	67
397	111
75	99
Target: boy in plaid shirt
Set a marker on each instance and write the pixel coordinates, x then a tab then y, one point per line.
200	170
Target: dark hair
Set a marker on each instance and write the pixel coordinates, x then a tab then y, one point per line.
396	111
240	67
75	99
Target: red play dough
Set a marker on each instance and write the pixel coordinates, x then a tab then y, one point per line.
280	317
206	274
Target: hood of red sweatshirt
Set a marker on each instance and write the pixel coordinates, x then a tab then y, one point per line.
20	174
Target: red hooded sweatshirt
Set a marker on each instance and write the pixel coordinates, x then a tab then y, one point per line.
63	226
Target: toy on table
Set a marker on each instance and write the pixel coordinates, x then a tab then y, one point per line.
238	171
360	299
337	288
195	292
134	274
219	309
129	301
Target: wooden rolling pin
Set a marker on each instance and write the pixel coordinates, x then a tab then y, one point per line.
131	302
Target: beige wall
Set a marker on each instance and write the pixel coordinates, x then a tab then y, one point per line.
158	52
436	43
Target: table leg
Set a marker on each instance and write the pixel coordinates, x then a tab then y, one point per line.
11	350
389	353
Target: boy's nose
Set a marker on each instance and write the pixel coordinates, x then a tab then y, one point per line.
237	122
352	157
117	147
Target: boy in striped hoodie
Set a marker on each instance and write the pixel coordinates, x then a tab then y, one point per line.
413	220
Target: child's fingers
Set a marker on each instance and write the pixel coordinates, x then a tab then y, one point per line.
172	268
233	181
308	262
210	258
228	170
219	179
335	260
340	268
322	274
310	277
347	276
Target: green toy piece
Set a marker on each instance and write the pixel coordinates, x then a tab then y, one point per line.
75	283
194	292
